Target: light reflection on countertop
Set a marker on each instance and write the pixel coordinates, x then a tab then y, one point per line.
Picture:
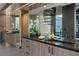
67	43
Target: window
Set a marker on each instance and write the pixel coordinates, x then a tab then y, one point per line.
77	23
58	24
16	23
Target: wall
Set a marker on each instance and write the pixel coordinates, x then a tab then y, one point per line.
58	10
6	18
5	24
43	28
2	22
8	10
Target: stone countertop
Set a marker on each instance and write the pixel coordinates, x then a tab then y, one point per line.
66	43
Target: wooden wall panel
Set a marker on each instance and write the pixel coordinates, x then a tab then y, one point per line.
24	25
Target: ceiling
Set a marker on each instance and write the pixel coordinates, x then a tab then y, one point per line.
2	5
50	5
34	8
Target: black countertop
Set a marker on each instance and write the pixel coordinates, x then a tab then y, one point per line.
66	43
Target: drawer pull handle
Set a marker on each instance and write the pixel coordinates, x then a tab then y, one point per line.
49	49
52	50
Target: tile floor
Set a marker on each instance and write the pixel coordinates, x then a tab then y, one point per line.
7	50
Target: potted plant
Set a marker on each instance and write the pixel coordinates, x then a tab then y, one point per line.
34	30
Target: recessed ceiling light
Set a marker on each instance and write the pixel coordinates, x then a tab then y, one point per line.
45	6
